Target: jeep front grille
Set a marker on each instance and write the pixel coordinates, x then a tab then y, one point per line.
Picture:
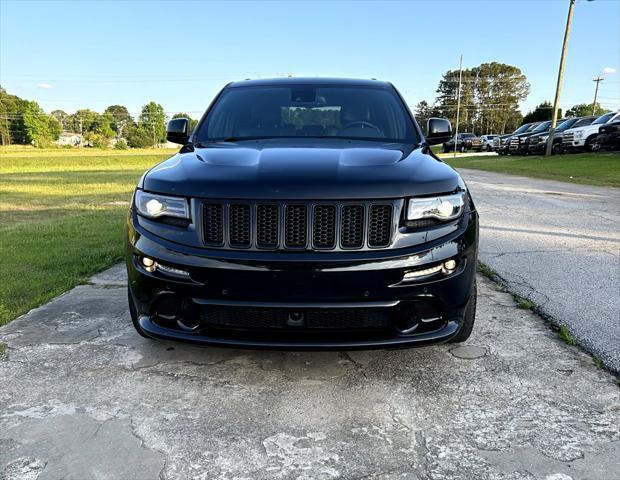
303	225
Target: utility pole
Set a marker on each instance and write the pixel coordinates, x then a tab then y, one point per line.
558	87
458	106
597	80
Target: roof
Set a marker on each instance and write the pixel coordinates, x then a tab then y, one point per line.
309	81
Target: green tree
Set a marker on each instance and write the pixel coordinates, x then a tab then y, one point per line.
153	119
542	112
119	119
585	110
40	128
192	122
422	112
490	96
12	129
139	136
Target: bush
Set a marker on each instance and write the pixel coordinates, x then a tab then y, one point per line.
121	144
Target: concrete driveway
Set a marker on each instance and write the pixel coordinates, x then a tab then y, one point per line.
82	396
557	244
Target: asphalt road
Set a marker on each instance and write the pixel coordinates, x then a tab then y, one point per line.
82	396
558	245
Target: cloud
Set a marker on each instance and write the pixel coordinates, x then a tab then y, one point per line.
609	70
45	86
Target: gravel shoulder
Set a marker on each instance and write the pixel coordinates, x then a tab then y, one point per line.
83	396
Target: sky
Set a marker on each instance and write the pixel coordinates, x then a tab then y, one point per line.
72	55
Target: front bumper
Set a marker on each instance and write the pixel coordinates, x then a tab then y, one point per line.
355	288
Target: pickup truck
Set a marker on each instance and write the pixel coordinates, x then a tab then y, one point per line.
502	143
518	143
608	137
465	142
584	138
538	143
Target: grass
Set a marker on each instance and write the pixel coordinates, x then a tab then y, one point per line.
61	218
564	334
588	168
525	304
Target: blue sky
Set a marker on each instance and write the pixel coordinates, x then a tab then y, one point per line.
72	55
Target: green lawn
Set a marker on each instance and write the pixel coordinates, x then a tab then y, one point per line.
589	168
61	218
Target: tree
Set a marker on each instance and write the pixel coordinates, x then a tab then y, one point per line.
192	122
119	119
423	111
153	119
139	136
12	129
490	96
585	110
541	113
40	128
62	117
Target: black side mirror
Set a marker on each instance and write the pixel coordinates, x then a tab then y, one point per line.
439	131
177	131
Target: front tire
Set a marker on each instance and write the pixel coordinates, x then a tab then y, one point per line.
590	142
468	319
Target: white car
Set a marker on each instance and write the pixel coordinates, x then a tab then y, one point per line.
487	142
584	138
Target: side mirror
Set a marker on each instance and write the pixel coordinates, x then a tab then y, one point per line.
439	131
177	131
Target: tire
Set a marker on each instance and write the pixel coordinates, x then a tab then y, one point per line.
556	149
133	312
489	148
462	149
445	149
468	319
589	145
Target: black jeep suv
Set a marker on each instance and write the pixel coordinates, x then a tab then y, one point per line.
303	214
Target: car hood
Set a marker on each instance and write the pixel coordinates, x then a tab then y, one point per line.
281	171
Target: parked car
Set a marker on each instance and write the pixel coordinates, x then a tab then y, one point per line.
584	138
608	137
518	143
464	143
501	145
339	230
538	143
486	143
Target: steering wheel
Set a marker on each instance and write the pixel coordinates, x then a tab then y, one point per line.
362	124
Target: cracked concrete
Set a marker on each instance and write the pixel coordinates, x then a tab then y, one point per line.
83	396
558	245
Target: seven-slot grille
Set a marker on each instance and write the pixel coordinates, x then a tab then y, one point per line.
298	225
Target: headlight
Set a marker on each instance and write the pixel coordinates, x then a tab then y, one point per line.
544	138
447	207
154	206
579	134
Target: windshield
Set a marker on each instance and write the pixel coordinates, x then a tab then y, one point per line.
351	112
603	118
522	128
542	127
566	124
466	135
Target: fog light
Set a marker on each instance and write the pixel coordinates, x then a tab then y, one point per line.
449	265
149	264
